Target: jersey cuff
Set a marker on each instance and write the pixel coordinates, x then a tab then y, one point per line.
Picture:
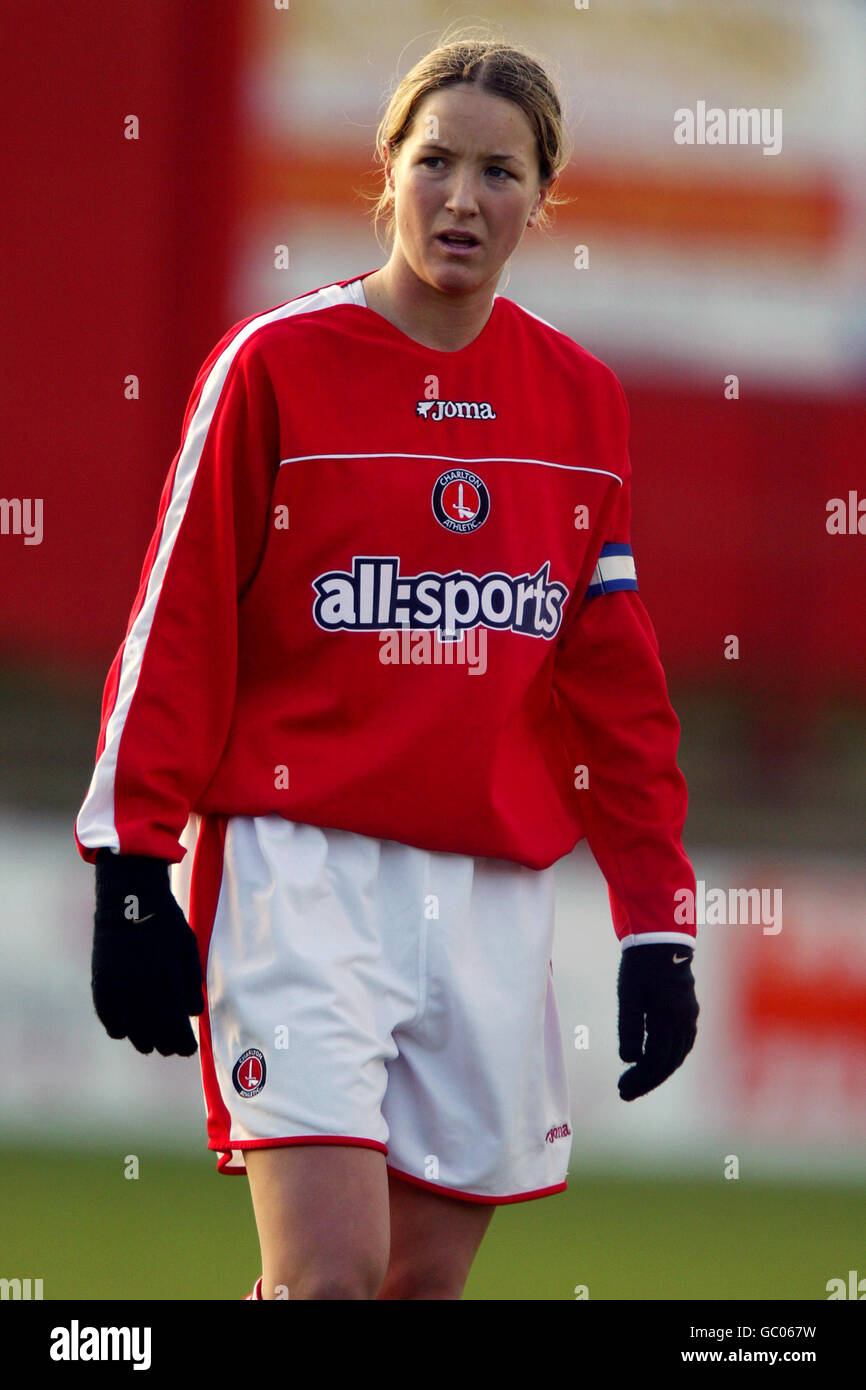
650	938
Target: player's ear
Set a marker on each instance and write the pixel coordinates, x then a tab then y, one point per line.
389	165
537	206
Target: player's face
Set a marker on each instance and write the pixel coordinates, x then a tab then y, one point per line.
469	165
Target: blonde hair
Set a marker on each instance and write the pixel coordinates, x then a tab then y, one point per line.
493	65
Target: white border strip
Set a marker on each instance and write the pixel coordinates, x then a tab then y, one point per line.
95	825
454	458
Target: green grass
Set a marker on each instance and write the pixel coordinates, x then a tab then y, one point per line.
181	1231
673	1239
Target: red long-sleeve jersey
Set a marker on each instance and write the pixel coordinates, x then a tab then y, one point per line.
390	590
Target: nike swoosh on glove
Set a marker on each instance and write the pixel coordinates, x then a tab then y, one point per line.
658	1014
146	974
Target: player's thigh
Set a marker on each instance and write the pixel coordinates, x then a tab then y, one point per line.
323	1219
434	1240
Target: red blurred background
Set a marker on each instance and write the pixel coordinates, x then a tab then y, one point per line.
122	258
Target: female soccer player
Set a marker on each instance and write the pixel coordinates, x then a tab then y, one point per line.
387	664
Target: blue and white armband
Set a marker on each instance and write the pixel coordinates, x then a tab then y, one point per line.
615	570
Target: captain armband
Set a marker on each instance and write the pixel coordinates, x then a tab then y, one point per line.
615	570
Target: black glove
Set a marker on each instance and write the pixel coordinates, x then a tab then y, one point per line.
146	975
657	992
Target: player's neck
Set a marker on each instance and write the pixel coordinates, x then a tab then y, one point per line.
446	322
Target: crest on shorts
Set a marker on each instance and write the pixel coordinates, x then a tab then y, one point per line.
249	1073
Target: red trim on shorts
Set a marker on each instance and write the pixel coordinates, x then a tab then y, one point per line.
205	885
474	1196
222	1167
242	1144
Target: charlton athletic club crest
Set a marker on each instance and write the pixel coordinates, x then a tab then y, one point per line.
461	501
249	1072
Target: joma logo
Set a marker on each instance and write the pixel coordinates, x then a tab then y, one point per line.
461	410
557	1132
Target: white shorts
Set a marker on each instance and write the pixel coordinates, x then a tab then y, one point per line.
360	991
